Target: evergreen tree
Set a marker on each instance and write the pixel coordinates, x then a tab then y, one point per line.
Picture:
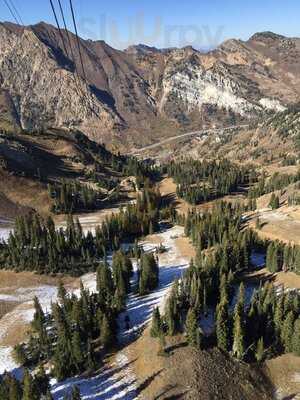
41	381
287	332
77	350
15	390
239	325
222	326
259	354
29	390
106	336
296	338
193	334
274	202
156	326
75	393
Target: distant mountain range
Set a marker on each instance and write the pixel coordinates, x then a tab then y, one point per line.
132	96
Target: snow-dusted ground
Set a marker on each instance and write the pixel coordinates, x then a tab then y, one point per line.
6	226
258	260
172	265
22	314
118	381
4	233
114	383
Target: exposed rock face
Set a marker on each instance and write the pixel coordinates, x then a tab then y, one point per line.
43	93
42	82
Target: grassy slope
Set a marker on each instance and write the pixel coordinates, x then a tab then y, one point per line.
53	156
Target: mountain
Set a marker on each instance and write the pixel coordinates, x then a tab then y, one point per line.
117	95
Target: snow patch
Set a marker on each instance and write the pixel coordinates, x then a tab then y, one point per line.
258	260
271	104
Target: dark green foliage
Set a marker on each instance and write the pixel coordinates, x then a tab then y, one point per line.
296	337
67	336
156	325
223	325
148	274
283	257
192	330
259	354
238	346
275	182
274	202
36	245
269	324
198	181
70	197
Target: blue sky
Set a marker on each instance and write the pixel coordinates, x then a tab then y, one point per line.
165	23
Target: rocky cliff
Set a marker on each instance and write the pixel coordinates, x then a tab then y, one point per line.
118	93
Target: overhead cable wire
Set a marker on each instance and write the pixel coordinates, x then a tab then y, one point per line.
58	27
67	32
77	38
12	12
78	81
16	12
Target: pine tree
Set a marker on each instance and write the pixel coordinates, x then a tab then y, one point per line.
193	334
238	325
15	390
296	338
90	362
39	316
75	393
238	336
259	354
77	350
106	335
222	326
29	392
156	326
287	332
41	381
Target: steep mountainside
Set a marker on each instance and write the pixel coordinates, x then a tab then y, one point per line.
29	162
118	94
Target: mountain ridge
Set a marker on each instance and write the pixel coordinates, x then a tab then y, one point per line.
120	94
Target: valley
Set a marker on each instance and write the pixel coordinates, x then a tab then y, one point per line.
134	373
149	214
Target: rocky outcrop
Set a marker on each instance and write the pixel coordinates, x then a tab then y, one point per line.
43	84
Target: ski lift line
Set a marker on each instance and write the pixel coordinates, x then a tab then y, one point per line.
76	81
16	12
79	90
12	12
77	78
58	27
77	37
67	32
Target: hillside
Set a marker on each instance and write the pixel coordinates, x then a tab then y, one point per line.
273	143
29	163
119	93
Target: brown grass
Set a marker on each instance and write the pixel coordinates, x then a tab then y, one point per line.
28	193
6	307
185	247
289	280
11	281
282	224
284	372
